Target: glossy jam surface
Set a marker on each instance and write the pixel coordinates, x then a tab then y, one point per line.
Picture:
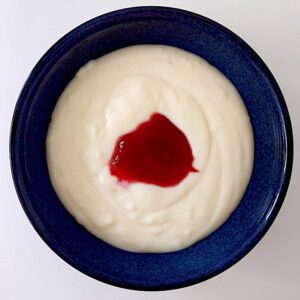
156	152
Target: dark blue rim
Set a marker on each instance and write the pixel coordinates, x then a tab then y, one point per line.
110	19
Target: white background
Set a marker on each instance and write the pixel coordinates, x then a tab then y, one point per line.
29	269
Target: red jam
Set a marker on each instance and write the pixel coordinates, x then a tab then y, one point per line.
156	152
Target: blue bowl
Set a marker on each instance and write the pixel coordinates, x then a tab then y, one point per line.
273	148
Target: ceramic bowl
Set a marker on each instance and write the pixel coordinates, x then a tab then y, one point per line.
273	148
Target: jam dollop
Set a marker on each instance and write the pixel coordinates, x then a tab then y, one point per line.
156	152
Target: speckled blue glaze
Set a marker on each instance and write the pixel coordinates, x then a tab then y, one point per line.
273	148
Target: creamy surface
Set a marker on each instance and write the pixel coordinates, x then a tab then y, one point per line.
111	96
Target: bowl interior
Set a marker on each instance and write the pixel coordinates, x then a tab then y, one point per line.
269	119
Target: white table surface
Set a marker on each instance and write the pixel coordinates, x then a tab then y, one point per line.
29	269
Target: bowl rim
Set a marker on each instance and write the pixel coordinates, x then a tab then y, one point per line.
35	74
